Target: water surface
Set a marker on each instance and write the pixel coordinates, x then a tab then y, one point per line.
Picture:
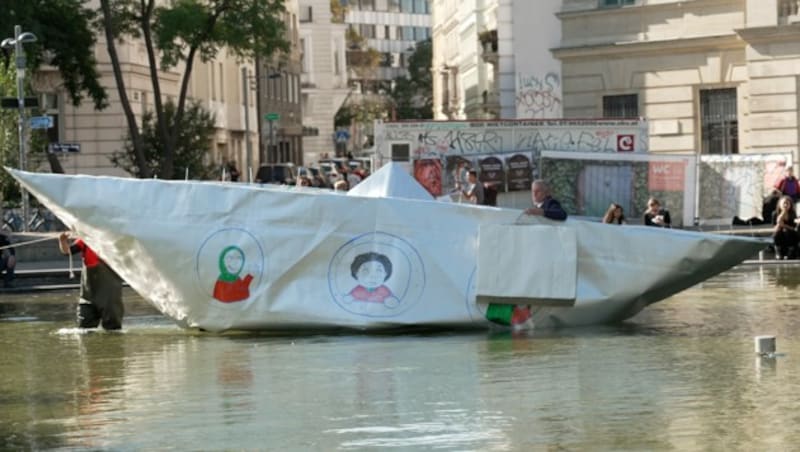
682	375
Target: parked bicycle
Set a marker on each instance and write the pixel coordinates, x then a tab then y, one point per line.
41	220
12	222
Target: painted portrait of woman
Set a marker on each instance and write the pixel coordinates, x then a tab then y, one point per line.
428	172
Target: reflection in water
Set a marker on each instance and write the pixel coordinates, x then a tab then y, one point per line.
680	376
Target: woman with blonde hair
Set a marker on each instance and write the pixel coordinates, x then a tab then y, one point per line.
785	236
614	215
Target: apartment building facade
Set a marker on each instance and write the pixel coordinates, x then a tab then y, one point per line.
712	76
393	28
226	86
323	77
492	59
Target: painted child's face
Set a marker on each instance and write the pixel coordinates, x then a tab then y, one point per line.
234	262
371	274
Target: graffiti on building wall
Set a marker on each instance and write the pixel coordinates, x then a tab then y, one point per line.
469	142
735	185
538	96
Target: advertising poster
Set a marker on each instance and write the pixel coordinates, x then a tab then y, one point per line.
520	172
491	172
428	172
456	168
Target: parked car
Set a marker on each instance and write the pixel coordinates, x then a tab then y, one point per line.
276	173
332	169
315	174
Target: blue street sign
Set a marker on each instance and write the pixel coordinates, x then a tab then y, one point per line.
64	147
342	136
41	122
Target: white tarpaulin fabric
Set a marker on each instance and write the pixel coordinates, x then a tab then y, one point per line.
543	256
219	256
390	181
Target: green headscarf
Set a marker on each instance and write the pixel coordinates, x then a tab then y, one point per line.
224	274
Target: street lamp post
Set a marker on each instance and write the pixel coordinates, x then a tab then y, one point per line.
16	42
248	144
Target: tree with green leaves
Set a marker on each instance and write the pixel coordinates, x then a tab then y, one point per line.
176	34
9	140
338	11
194	132
362	62
412	96
65	39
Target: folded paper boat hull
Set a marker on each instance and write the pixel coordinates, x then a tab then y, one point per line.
235	256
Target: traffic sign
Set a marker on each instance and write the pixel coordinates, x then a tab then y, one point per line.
41	122
342	136
272	116
63	147
13	102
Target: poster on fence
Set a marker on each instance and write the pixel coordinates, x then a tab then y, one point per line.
456	168
520	171
666	176
491	172
428	172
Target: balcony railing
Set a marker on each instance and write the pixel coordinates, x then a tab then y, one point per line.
788	11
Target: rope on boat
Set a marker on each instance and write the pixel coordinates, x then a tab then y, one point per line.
43	239
26	243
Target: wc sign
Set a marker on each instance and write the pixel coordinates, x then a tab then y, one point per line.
666	176
626	143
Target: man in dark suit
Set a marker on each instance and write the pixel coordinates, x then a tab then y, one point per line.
544	204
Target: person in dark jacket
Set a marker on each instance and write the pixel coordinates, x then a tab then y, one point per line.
785	237
655	215
789	185
544	204
8	260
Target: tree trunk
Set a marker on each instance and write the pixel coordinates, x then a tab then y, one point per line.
138	145
163	127
55	164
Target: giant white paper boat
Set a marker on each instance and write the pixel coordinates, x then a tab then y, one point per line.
236	256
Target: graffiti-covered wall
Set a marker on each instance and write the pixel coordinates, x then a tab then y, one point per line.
586	184
735	185
505	153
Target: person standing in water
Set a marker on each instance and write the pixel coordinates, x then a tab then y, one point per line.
100	300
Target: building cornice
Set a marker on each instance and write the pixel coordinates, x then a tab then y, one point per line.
637	9
630	48
779	33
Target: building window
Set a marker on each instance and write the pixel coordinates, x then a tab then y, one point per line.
306	14
394	6
610	3
624	106
421	6
336	63
366	5
213	81
367	31
401	152
221	83
407	6
303	56
719	121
